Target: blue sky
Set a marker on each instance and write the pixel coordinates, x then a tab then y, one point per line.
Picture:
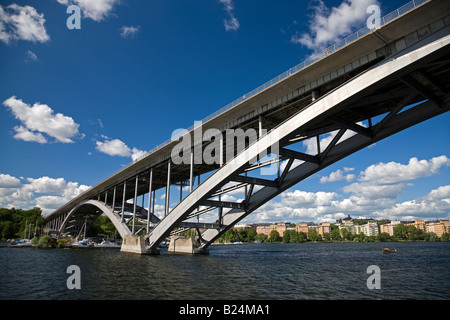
77	105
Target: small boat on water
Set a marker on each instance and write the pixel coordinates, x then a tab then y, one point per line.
108	244
21	243
85	243
387	250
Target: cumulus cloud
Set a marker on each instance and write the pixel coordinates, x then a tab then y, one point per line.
116	147
231	23
7	181
129	32
375	194
96	10
437	201
22	23
24	134
38	119
338	176
31	57
392	172
45	192
329	25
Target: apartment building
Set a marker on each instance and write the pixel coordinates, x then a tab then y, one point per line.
438	227
389	227
324	228
302	227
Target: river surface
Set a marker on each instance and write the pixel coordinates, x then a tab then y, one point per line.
319	271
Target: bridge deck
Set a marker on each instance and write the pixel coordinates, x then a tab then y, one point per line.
285	98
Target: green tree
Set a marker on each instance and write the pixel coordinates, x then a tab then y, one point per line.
286	237
313	235
431	236
326	236
294	236
251	234
384	237
346	234
335	234
242	235
261	237
274	236
400	232
415	234
8	230
302	237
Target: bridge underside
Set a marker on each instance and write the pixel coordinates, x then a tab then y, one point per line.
357	108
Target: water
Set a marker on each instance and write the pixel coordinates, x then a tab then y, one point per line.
420	270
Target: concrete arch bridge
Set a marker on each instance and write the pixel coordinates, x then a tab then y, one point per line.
363	89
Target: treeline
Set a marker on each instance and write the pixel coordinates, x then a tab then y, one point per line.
401	233
12	224
15	223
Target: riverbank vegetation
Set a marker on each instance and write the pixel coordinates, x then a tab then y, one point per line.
401	233
18	223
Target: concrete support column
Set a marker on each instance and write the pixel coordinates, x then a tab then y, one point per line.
149	212
191	172
123	200
166	209
134	203
259	127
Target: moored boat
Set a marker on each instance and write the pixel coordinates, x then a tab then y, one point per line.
108	244
85	243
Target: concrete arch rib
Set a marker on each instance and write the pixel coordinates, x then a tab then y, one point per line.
401	64
91	207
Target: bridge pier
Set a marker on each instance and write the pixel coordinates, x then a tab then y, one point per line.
180	244
133	244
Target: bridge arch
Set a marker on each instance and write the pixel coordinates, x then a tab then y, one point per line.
92	209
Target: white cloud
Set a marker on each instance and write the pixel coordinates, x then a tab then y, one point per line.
231	23
22	23
96	10
47	185
113	148
375	194
38	119
392	172
338	176
136	153
129	32
116	147
45	192
24	134
330	25
436	202
7	181
31	57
